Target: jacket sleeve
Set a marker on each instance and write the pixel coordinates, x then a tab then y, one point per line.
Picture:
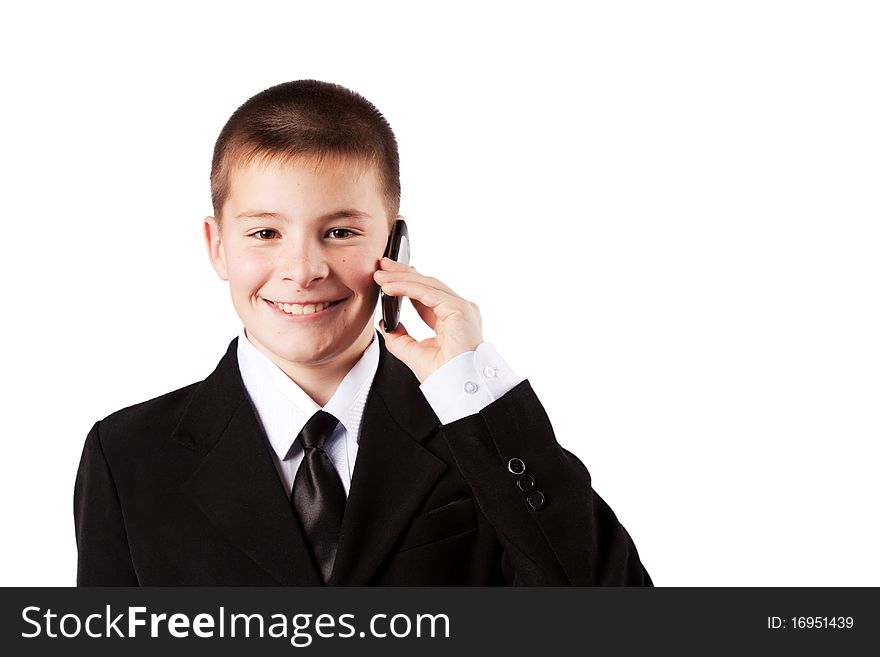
103	554
555	531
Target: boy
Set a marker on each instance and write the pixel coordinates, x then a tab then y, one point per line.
249	477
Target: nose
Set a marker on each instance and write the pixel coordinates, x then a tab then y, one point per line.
304	262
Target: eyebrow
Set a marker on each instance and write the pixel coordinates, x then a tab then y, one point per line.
347	213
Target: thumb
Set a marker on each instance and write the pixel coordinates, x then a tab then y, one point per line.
398	340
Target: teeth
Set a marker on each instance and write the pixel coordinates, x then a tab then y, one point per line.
297	309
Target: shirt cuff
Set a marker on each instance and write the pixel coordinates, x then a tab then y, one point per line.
468	383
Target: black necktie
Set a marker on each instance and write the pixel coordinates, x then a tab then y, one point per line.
318	496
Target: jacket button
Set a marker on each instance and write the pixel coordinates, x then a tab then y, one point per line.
536	500
516	466
525	483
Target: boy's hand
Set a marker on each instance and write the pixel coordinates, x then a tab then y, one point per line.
456	321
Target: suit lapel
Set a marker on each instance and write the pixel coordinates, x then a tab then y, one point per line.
393	473
236	485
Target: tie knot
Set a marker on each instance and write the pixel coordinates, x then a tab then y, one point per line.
317	430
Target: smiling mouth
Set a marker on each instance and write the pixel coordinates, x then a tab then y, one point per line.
303	309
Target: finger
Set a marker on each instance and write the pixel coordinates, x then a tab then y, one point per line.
438	303
427	314
388	264
429	296
382	277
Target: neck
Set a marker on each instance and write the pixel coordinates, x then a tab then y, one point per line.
320	381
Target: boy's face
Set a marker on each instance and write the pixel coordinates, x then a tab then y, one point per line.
299	235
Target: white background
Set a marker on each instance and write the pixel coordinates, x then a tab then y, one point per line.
667	212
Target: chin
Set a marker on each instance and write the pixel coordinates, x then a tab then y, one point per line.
318	351
305	346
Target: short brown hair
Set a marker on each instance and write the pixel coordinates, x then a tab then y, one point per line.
312	119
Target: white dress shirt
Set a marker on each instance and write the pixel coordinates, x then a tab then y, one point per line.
463	386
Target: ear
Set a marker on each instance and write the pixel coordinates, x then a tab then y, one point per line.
215	247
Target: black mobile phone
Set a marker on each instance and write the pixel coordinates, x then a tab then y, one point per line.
397	249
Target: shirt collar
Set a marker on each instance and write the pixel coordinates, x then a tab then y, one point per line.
283	407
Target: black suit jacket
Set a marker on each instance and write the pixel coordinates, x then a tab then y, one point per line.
182	490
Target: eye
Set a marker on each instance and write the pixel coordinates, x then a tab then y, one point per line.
265	234
340	233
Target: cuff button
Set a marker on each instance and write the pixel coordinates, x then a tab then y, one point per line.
536	500
516	466
525	483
